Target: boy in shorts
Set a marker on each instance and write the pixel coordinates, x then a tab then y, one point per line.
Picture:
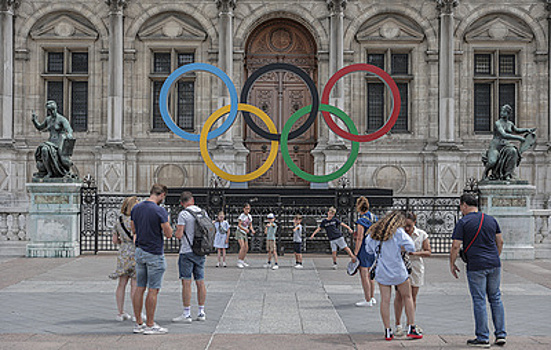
297	241
270	232
332	227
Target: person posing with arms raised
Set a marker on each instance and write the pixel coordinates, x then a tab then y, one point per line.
364	222
190	263
386	240
332	227
244	226
482	242
422	249
149	223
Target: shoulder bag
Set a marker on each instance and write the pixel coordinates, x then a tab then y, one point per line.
463	252
374	265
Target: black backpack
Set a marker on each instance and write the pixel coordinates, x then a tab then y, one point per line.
203	240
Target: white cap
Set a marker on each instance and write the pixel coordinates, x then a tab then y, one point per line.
271	216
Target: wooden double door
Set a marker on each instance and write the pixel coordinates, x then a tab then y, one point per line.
280	94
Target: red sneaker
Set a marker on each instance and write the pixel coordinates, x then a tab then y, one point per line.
413	333
388	334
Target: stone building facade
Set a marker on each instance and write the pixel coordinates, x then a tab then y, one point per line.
455	63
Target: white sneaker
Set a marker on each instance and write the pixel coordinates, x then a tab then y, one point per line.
275	267
240	265
224	264
299	266
123	317
364	303
246	265
139	328
398	331
182	318
267	265
156	329
201	317
217	264
335	266
373	301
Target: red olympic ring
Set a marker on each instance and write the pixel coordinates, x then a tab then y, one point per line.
389	82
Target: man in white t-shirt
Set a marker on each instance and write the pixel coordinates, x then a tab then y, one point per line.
189	263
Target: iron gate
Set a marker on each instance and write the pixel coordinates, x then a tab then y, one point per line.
436	215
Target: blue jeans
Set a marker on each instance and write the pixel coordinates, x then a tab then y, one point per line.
191	264
482	283
150	269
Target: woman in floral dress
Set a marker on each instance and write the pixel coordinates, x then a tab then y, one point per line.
126	265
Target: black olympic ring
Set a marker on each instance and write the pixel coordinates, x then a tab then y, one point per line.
307	80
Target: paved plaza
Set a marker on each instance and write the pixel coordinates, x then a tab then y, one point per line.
69	304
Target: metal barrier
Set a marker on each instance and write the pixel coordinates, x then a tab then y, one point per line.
436	215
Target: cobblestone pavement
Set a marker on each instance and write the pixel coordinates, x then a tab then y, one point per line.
69	304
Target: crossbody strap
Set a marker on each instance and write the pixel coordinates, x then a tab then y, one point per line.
477	232
128	233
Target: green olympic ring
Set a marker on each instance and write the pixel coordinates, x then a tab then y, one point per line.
319	178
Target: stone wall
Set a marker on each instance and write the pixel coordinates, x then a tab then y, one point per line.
418	162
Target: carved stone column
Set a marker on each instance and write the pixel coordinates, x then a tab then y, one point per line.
7	8
225	59
336	60
446	120
115	85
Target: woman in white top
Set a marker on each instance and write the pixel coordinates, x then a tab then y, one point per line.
386	240
422	249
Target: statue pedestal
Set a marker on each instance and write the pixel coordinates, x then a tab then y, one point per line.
53	226
510	206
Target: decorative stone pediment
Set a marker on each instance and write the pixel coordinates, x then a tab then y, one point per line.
499	28
171	27
390	28
64	27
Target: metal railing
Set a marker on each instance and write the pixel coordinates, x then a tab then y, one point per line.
436	215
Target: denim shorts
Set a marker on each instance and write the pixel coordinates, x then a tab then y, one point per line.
366	259
191	264
337	244
150	269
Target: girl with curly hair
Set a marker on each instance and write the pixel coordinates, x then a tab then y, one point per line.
386	240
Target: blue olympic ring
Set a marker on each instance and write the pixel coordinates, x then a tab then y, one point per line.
163	100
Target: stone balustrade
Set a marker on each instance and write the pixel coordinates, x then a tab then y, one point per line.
542	233
542	225
13	224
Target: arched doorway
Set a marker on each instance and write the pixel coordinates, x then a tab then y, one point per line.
280	94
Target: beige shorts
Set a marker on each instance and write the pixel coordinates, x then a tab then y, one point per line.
417	276
270	245
240	234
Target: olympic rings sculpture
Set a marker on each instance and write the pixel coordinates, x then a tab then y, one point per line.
286	134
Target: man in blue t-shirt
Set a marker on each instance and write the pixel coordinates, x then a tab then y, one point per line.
332	227
149	223
482	241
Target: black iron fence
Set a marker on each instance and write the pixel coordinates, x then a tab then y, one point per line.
436	215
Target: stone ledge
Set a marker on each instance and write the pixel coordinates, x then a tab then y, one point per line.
13	248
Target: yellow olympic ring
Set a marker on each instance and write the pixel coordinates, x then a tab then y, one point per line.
205	153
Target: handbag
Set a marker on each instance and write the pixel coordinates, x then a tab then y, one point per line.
463	252
374	265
